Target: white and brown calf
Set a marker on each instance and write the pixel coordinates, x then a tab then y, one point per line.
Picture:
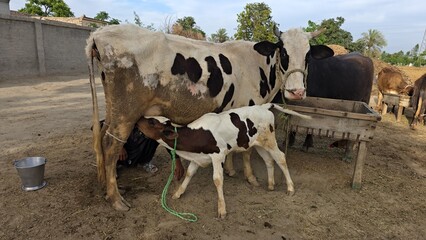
210	138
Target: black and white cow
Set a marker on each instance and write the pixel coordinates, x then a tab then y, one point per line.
210	138
147	73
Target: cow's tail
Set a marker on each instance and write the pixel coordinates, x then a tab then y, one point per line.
288	111
92	52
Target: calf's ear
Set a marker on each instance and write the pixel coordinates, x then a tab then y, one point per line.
321	51
170	133
265	48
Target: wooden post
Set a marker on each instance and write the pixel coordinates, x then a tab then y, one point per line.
359	165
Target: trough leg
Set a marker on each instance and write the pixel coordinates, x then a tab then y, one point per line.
384	108
399	114
359	164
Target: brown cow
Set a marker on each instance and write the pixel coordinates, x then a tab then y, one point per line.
390	81
418	101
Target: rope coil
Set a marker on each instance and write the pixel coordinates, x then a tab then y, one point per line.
190	217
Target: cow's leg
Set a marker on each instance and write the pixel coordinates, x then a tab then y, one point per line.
192	169
269	166
112	144
248	171
229	165
218	182
418	110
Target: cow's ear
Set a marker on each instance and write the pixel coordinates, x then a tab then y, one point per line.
321	52
265	48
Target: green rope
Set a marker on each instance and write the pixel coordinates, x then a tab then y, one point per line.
190	217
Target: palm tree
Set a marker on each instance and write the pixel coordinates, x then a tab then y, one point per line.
373	42
220	36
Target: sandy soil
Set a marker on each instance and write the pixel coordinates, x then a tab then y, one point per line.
51	117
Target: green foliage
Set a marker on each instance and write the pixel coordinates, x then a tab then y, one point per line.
53	8
114	21
102	15
188	24
401	58
140	24
220	36
255	23
333	34
373	41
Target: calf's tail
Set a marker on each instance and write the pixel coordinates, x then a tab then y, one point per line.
92	52
288	111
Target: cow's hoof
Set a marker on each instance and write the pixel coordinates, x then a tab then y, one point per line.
122	206
271	188
253	181
290	193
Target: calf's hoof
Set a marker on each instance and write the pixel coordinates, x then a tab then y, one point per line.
221	215
271	188
231	173
122	206
290	192
176	195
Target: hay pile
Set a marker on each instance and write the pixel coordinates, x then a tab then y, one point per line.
338	50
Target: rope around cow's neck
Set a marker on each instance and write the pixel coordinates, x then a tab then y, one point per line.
190	217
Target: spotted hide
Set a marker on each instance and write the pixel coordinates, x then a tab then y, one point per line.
151	73
210	138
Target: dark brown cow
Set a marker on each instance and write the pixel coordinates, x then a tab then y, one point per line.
418	101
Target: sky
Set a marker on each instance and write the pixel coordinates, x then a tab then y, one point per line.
402	22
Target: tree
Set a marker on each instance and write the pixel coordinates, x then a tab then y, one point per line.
54	8
333	33
255	23
102	15
220	36
187	27
140	24
373	41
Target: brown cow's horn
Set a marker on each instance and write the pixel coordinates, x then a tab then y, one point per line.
317	32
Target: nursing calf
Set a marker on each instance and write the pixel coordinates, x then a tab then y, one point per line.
211	137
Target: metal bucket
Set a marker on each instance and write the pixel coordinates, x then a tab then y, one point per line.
31	171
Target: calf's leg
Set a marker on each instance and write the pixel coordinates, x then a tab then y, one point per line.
269	166
229	165
218	182
248	171
192	169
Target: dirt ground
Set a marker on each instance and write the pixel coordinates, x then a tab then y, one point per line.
51	117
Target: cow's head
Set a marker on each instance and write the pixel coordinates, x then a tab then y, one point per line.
293	50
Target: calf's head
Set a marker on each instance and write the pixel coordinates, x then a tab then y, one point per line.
157	128
293	51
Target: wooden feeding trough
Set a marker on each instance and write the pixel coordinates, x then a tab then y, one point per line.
402	101
338	119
